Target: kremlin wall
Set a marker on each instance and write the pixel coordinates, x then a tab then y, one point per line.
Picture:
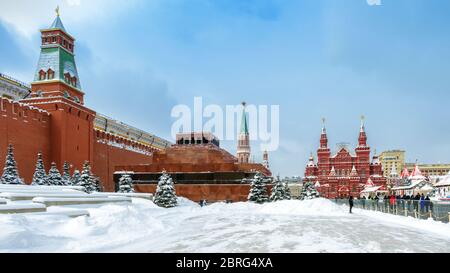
50	117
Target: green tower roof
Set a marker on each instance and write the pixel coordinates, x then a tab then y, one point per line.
244	124
57	24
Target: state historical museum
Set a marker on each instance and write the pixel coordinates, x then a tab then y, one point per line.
344	172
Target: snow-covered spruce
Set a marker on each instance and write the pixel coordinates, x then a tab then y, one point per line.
75	180
54	177
98	184
10	172
39	177
126	184
165	195
258	189
309	191
66	174
287	192
278	191
86	179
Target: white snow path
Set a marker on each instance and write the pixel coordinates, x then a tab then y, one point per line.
288	226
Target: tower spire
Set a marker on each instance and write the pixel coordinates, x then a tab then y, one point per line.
362	128
324	130
243	148
323	136
244	124
362	139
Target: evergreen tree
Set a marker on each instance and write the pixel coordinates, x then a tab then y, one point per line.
258	190
39	177
75	180
278	191
66	174
165	195
10	172
98	184
86	179
309	191
287	192
54	176
126	183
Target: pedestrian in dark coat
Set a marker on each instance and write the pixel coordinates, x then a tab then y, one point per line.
350	203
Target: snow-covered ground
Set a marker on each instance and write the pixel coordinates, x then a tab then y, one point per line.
287	226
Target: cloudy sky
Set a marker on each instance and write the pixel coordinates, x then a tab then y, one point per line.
315	58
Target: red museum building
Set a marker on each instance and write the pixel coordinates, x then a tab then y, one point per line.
344	172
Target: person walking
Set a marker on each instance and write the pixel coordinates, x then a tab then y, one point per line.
422	203
350	203
427	203
392	202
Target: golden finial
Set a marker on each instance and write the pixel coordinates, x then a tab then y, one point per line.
57	10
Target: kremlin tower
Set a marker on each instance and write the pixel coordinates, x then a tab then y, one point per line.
243	148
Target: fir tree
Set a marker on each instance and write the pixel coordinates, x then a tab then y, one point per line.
97	184
287	192
39	177
165	195
126	184
86	179
75	180
54	176
10	172
278	191
258	190
309	191
66	174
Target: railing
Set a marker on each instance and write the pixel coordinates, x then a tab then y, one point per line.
438	211
22	84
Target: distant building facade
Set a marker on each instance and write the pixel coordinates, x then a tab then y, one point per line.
393	159
346	171
437	169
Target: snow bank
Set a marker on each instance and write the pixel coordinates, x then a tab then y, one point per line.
314	207
316	225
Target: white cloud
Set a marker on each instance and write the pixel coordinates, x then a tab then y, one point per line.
25	16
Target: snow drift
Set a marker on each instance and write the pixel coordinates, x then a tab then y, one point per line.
316	225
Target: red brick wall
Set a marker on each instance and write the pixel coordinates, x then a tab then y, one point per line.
198	192
107	157
62	135
28	130
70	133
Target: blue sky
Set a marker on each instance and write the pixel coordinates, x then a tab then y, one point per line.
315	58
